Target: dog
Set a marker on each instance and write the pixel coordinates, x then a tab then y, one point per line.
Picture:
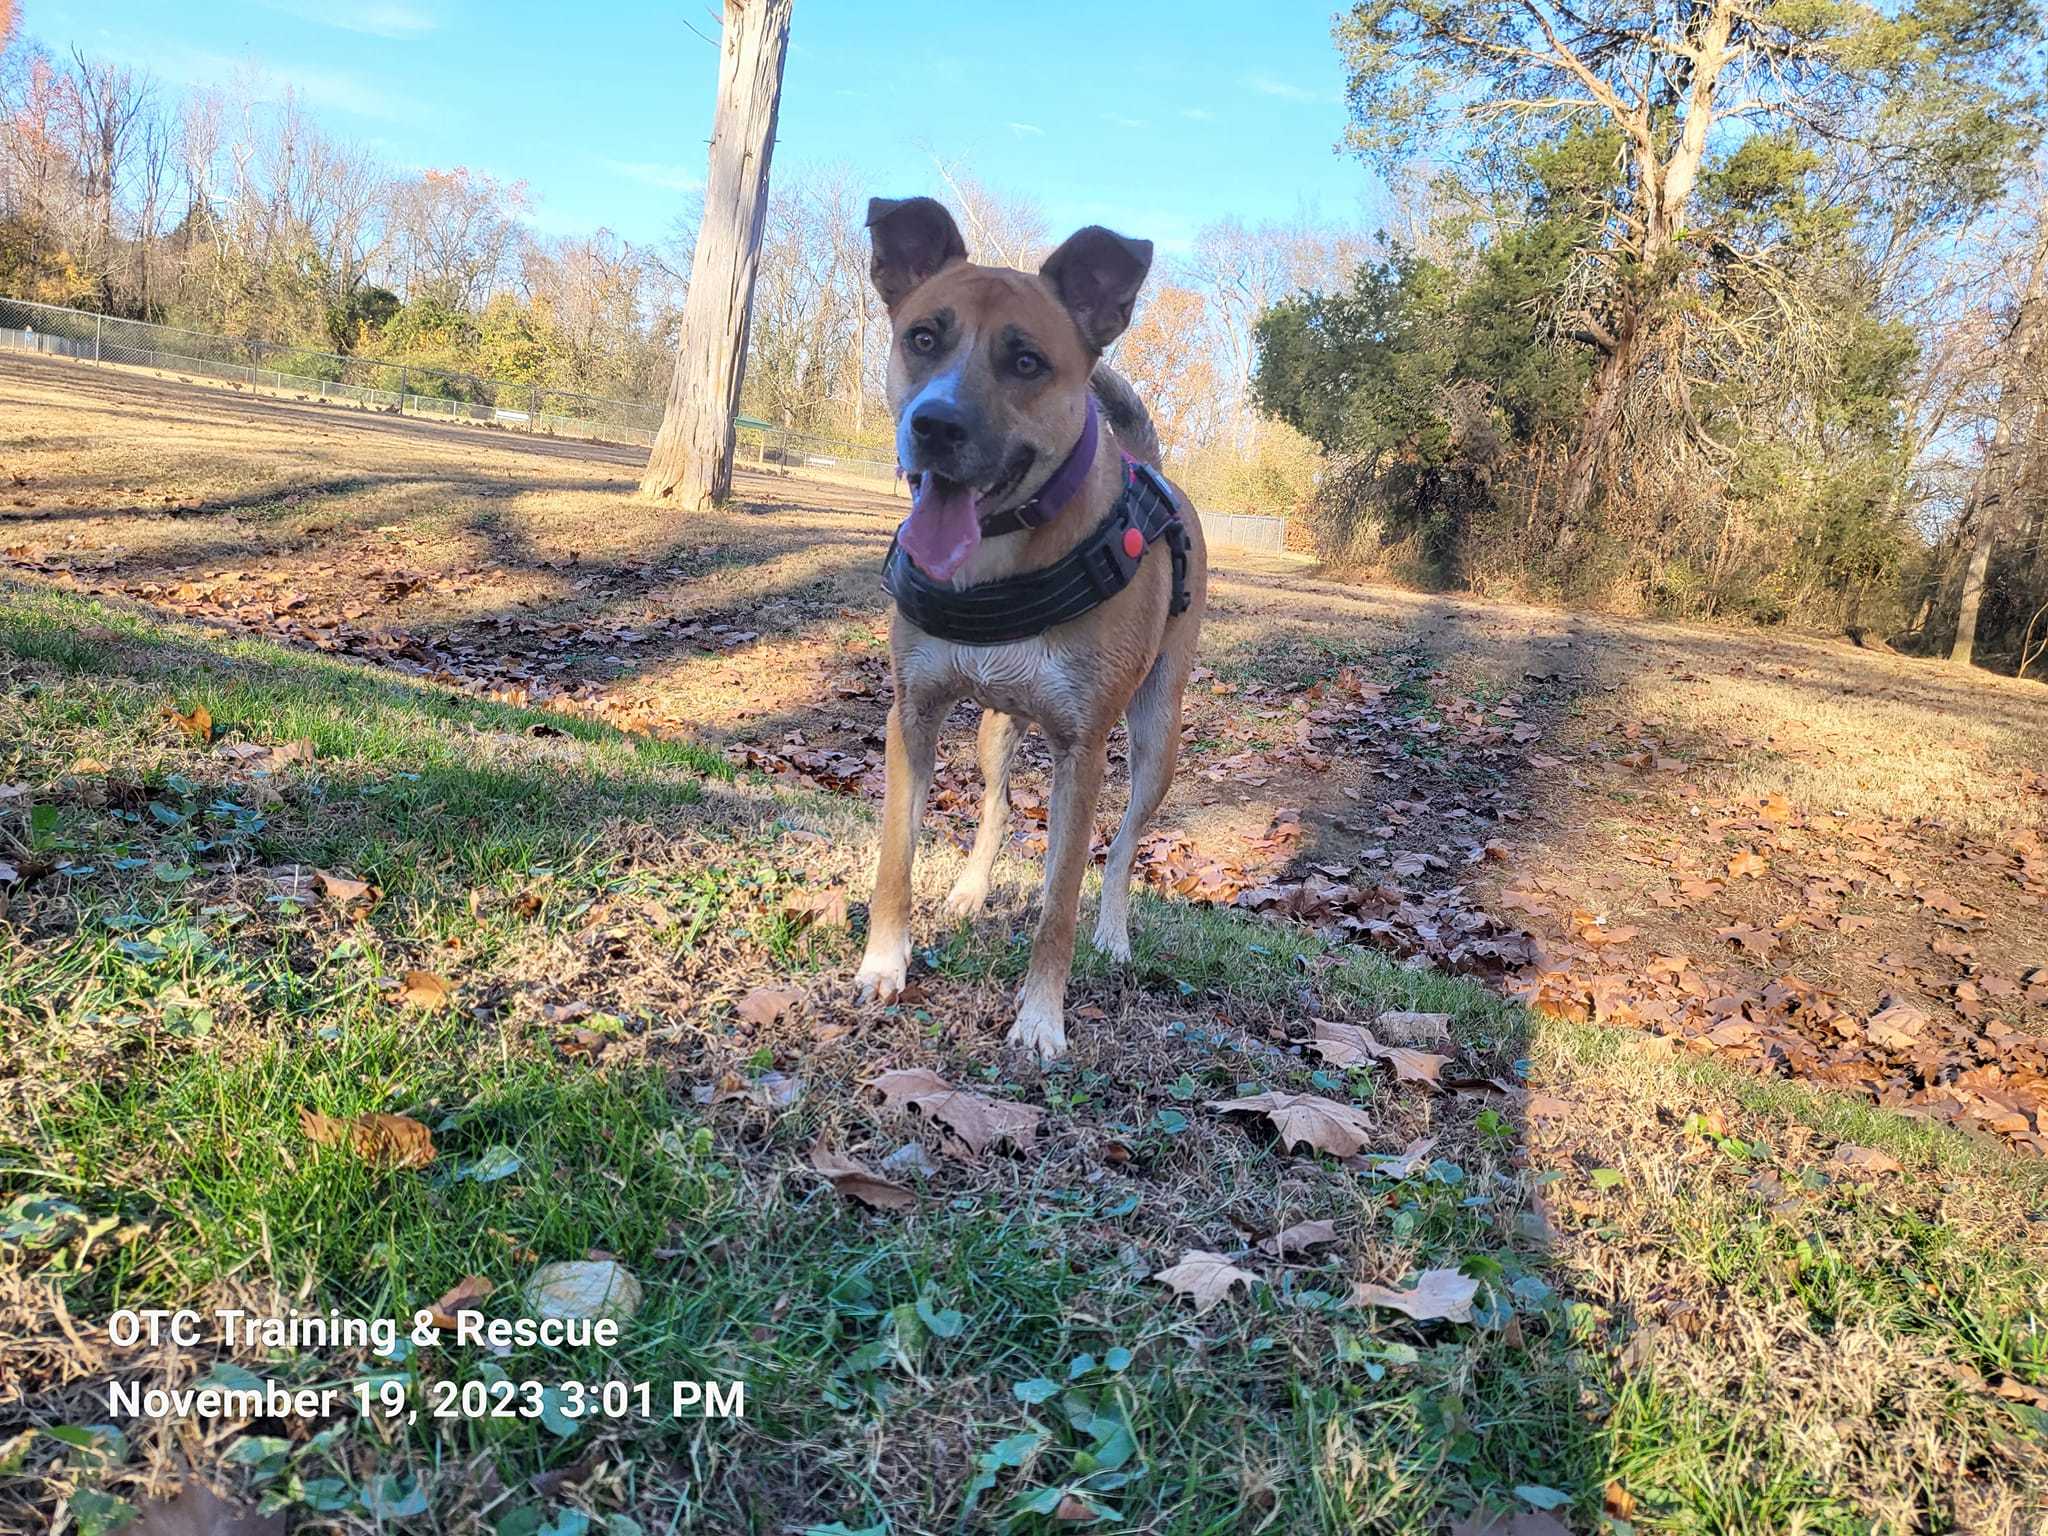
1035	488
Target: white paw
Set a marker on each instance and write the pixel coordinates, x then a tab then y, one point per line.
1040	1028
1113	939
964	902
881	974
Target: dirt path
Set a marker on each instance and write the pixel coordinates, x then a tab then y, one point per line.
1783	849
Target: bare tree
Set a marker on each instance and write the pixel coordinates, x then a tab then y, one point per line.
1001	231
106	103
1166	356
452	233
692	459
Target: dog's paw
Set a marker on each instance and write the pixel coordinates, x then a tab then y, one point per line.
1040	1029
965	901
881	976
1113	939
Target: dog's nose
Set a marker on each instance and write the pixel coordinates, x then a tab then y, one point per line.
938	424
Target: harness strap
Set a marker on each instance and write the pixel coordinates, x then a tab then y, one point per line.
1019	607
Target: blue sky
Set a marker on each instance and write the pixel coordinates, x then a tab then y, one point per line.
1155	118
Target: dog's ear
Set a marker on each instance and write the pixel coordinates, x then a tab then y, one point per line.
912	238
1097	274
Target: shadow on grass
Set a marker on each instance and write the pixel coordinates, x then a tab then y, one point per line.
1008	1332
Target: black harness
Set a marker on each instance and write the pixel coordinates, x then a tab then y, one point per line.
1090	574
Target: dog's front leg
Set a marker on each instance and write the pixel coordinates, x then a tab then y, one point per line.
1041	1003
913	740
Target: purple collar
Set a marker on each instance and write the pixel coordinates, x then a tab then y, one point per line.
1062	487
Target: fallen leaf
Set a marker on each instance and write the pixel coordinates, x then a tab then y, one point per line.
463	1296
824	908
1300	1237
1897	1027
1757	941
1346	1045
1546	1106
978	1120
1946	904
1438	1294
1073	1510
857	1181
768	1005
386	1141
2016	1391
1747	865
1775	808
198	725
1204	1276
1867	1160
1325	1124
577	1288
424	990
340	889
1411	1066
1388	1165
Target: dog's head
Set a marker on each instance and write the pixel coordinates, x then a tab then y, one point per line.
989	366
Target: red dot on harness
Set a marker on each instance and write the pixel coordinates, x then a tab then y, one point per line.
1134	543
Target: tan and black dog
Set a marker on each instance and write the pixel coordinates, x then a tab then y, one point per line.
1035	491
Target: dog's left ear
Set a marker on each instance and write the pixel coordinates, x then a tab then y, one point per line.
1097	274
912	238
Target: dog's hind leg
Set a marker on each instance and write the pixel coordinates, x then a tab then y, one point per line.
996	745
913	740
1153	720
1042	1001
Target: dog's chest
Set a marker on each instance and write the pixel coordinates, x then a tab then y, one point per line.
1031	678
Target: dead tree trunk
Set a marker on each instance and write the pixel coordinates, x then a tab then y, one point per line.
691	464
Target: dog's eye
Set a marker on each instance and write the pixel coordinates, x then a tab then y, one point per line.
1028	365
922	339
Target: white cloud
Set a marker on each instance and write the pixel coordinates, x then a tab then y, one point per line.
1115	121
655	173
1030	130
260	78
1198	114
1287	90
379	18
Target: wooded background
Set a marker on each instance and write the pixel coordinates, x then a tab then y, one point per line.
1696	309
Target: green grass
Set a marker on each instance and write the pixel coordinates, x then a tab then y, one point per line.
166	1015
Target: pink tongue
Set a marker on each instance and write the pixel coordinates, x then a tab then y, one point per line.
943	527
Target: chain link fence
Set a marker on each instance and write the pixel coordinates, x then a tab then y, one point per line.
410	389
414	389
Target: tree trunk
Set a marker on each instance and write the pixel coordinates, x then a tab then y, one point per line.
1973	589
1603	412
1988	495
691	464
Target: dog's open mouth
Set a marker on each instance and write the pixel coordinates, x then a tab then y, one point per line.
1012	476
944	526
